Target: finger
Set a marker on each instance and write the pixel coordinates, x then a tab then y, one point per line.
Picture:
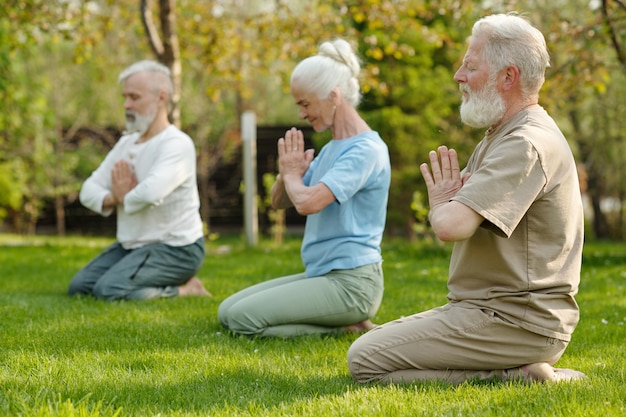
444	157
299	141
289	140
434	164
428	178
455	171
115	172
280	146
309	154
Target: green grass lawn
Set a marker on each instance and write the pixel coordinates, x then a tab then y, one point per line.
62	356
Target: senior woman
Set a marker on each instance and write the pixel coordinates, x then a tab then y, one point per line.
343	191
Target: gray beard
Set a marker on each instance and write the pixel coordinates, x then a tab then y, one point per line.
137	123
483	108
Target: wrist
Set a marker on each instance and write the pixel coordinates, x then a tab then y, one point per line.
110	200
290	176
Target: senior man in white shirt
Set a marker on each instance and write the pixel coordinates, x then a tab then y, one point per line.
149	179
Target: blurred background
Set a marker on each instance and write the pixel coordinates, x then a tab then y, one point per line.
61	108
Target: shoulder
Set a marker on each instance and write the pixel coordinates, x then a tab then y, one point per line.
173	137
368	142
172	132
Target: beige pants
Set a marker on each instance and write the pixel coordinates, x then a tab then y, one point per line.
452	343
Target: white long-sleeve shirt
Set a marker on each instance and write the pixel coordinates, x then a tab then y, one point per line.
164	206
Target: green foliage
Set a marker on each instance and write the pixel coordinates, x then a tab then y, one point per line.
275	216
409	50
59	61
12	184
420	209
68	357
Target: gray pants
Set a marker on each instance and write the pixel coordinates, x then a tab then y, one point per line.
452	343
295	305
152	271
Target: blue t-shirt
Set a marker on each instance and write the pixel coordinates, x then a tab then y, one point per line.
347	233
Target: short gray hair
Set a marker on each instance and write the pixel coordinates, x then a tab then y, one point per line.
512	40
335	65
160	82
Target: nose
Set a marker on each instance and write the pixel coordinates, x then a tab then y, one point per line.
301	114
459	76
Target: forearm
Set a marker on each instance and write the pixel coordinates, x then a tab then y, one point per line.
280	198
96	197
454	221
307	199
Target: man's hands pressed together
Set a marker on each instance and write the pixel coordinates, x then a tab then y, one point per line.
445	180
450	220
123	180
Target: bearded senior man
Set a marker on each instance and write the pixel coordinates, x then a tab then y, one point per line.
149	179
515	217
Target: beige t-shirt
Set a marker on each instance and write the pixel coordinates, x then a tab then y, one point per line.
524	261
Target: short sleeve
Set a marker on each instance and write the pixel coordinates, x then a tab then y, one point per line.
504	183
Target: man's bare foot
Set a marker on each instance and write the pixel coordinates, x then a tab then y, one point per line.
193	287
360	327
543	372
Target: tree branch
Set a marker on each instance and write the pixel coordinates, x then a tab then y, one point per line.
153	36
612	33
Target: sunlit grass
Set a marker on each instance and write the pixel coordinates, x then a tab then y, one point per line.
62	356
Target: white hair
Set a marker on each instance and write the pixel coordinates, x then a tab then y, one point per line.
512	40
163	80
335	65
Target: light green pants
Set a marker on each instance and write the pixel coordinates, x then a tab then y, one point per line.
452	343
295	305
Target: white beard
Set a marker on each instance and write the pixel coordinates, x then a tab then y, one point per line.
140	123
482	108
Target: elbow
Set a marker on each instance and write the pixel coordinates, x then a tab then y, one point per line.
446	236
448	230
454	222
279	203
450	233
83	195
305	209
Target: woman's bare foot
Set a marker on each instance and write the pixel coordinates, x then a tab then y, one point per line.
543	372
193	287
360	327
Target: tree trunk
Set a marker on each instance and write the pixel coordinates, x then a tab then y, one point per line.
165	47
600	224
611	20
59	209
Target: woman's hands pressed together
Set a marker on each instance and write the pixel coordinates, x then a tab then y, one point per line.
292	157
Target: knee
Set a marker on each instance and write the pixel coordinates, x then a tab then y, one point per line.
104	291
239	320
361	366
222	315
77	286
354	364
74	289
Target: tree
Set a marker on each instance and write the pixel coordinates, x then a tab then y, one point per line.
614	16
579	87
59	61
165	47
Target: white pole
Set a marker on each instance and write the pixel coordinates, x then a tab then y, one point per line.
248	135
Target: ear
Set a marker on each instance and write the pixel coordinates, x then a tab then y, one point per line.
511	77
335	95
